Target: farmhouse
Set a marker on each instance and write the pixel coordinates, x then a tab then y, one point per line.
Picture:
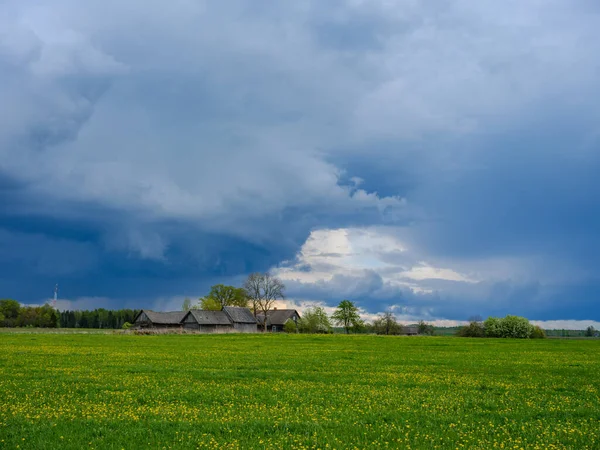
241	319
277	318
152	319
207	321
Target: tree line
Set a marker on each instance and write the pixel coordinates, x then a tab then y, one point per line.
13	314
98	318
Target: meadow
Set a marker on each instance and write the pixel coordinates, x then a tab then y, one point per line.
76	391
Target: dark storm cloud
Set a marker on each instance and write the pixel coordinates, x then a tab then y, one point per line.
149	155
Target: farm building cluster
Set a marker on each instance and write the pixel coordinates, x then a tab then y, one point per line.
230	319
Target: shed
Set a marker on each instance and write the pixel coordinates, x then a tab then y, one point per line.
410	330
152	319
277	318
207	321
242	319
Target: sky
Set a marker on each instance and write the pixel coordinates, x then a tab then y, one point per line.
436	159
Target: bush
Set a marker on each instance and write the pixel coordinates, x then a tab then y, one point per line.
538	333
425	328
492	327
315	320
126	326
290	326
515	327
474	329
511	327
590	331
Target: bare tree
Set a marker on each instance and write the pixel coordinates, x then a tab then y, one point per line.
263	290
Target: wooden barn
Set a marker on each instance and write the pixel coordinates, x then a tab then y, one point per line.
410	330
242	319
277	318
207	321
152	319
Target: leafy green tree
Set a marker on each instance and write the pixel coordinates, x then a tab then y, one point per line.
347	316
228	295
516	327
492	327
290	326
210	304
1	319
222	295
538	333
590	331
387	324
10	310
315	320
474	329
186	305
425	328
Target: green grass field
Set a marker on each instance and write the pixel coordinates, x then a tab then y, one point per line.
79	391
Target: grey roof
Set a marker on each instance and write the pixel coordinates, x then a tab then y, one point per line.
164	318
239	315
210	317
277	316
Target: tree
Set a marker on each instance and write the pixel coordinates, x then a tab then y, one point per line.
590	331
425	328
387	324
347	316
315	320
538	333
262	290
290	326
10	309
186	305
474	329
228	295
210	304
516	327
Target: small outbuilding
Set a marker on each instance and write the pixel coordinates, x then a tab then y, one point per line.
242	319
410	330
152	319
277	318
207	321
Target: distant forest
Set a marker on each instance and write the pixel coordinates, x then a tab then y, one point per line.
97	318
12	314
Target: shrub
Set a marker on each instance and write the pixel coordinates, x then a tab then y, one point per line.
315	320
590	331
290	326
515	327
492	327
474	329
126	326
425	328
538	333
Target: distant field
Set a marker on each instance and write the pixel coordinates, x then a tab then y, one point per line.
79	391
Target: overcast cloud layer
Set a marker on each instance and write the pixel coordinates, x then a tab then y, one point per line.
438	159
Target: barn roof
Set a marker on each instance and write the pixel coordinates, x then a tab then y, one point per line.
278	316
209	317
163	318
239	315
